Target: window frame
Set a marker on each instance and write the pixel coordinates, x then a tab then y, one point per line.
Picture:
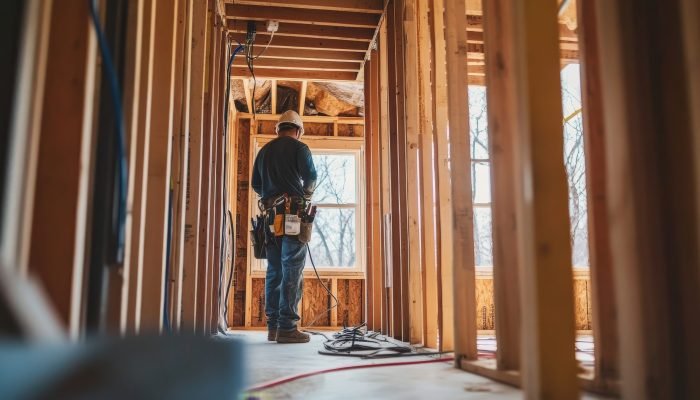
323	145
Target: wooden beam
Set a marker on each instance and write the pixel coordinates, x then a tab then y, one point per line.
319	43
463	233
503	126
312	54
293	74
429	249
302	16
548	364
58	239
443	186
248	95
385	164
311	65
138	179
365	6
158	169
302	97
194	176
306	30
606	369
273	102
413	195
652	194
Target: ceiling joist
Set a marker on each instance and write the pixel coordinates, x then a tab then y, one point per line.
363	6
300	64
302	16
306	30
313	54
261	40
293	74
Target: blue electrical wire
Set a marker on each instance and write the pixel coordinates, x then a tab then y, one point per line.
119	124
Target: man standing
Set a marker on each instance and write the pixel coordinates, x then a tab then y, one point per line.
284	167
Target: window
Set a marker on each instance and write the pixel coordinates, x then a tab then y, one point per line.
334	241
575	162
481	176
338	226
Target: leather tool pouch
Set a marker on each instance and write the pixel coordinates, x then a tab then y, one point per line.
257	239
305	231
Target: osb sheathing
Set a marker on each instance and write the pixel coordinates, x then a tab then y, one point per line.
486	310
350	302
242	224
315	303
257	306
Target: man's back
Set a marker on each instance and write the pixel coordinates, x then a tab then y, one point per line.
283	166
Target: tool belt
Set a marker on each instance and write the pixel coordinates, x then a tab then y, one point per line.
281	216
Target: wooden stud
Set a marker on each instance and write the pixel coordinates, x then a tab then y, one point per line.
428	174
652	197
334	310
367	6
444	186
302	97
385	162
503	126
57	246
302	16
413	195
462	214
158	169
604	308
548	365
203	263
248	95
273	102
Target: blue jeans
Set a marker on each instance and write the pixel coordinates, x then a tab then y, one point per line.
284	282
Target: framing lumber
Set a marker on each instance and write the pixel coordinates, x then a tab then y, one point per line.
428	176
181	152
273	94
501	99
412	168
606	368
58	239
248	95
158	169
384	285
365	6
137	177
302	97
293	74
302	16
307	118
320	43
312	54
119	302
548	365
443	186
306	30
194	168
652	195
204	243
462	223
309	65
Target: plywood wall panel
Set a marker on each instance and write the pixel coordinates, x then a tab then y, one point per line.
315	303
257	309
350	302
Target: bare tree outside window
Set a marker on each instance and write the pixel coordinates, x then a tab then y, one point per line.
334	239
481	176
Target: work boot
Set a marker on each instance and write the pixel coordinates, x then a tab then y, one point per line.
271	335
293	336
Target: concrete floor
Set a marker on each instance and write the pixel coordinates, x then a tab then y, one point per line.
269	361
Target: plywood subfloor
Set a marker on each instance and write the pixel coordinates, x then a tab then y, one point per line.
269	361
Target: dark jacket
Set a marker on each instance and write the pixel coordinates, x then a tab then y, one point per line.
283	166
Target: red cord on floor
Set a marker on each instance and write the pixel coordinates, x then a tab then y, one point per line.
291	378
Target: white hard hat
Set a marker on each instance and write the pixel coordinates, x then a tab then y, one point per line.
290	117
